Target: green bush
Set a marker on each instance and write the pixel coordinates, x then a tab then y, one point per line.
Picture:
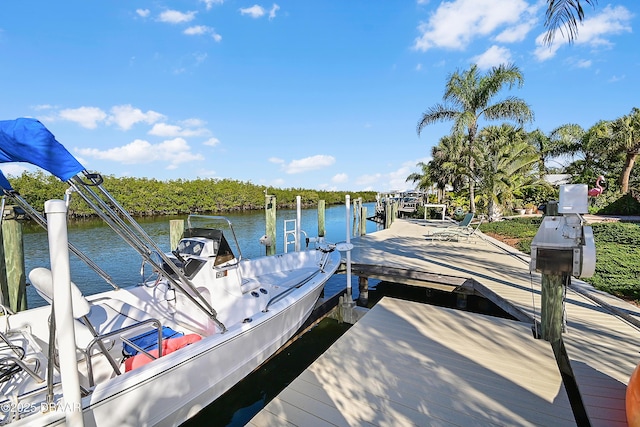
513	228
147	197
617	252
626	204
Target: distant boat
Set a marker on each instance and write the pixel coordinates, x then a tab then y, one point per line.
153	354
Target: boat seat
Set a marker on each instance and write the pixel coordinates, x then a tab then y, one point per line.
285	279
99	322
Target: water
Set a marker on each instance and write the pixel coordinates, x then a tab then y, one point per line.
123	263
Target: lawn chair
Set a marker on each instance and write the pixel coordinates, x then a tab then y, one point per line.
462	224
458	232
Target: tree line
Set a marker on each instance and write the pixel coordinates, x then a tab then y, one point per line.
148	196
503	166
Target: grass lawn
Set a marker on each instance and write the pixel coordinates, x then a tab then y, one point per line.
617	251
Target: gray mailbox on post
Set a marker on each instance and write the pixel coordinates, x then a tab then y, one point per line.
563	244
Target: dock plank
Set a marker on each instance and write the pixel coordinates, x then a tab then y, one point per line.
406	363
600	343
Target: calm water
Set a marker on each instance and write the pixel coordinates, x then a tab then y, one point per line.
122	263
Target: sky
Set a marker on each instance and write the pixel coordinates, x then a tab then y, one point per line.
313	94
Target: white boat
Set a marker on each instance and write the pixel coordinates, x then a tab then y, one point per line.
153	354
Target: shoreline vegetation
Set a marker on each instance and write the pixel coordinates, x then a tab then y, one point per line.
617	252
150	197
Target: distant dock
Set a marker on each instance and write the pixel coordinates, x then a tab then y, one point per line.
413	364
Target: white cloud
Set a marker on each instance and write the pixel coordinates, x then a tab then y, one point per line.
255	11
584	63
456	23
125	116
316	162
197	30
174	151
87	117
276	160
166	130
212	142
516	33
273	10
200	30
42	107
13	169
369	179
492	57
143	13
176	17
209	173
592	32
394	180
418	67
340	178
210	3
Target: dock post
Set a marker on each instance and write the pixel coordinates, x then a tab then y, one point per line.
363	288
298	223
321	221
13	278
387	214
394	211
4	286
363	221
551	312
356	212
270	217
176	230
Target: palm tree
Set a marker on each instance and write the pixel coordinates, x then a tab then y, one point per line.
587	148
564	14
467	99
626	139
541	143
423	180
506	162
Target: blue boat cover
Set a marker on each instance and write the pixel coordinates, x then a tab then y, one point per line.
28	140
4	184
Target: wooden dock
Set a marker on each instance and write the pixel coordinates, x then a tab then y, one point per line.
406	364
457	368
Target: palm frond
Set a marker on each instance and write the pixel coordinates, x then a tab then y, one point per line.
564	15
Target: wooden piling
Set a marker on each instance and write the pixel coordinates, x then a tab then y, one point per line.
14	289
270	221
176	230
363	220
4	286
551	312
321	219
363	291
387	214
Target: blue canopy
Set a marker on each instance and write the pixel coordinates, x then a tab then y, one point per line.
4	184
27	140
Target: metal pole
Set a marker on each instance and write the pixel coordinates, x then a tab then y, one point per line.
298	225
348	222
56	211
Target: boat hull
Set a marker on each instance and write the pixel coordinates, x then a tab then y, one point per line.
176	387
